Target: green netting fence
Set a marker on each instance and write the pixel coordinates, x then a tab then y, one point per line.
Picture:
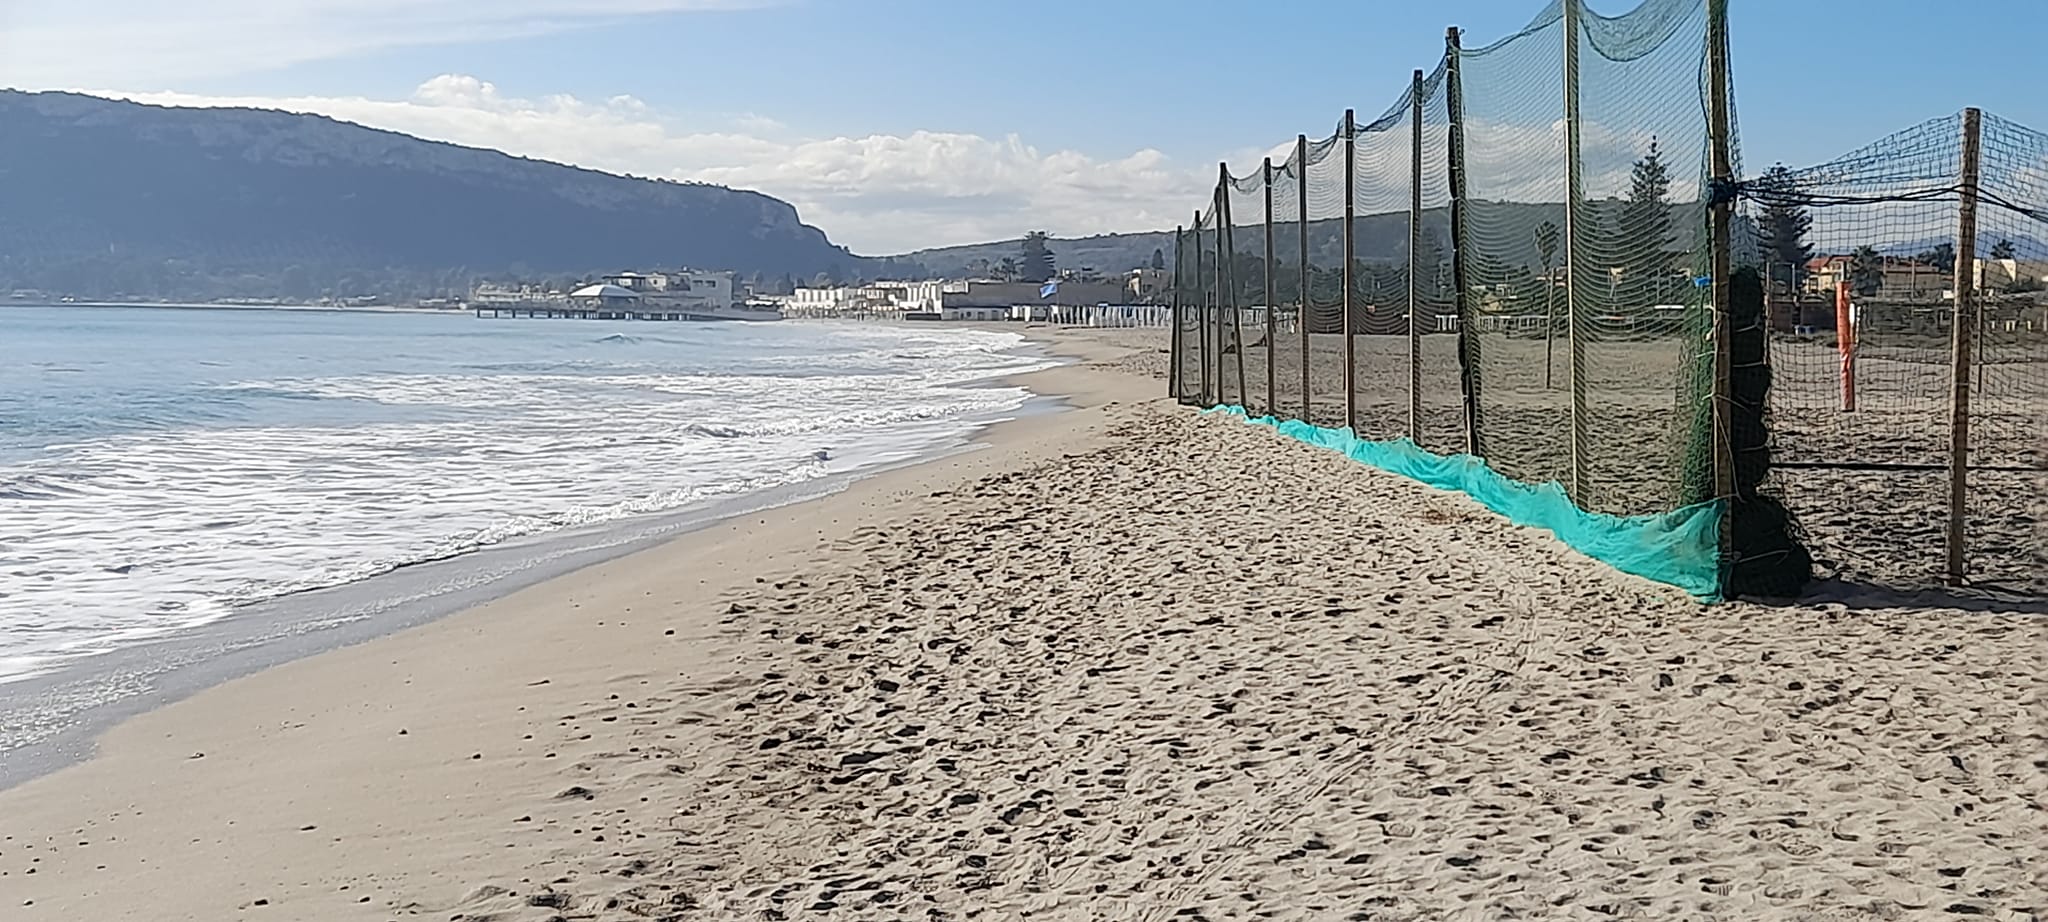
1911	448
1538	277
1504	283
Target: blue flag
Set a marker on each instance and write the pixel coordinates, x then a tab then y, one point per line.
1049	289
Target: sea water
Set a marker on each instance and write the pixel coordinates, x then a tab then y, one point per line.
165	469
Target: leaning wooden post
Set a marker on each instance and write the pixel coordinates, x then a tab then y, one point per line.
1174	358
1414	260
1227	343
1959	360
1575	194
1720	218
1301	296
1201	310
1226	260
1468	331
1350	325
1266	178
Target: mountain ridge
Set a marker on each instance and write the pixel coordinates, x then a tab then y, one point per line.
106	197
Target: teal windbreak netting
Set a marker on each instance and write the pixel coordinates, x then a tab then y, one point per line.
1543	257
1680	547
1511	265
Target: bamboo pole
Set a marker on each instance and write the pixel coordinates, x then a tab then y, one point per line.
1266	178
1575	194
1468	332
1962	327
1414	258
1349	326
1301	297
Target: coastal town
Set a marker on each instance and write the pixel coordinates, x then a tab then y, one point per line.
1138	298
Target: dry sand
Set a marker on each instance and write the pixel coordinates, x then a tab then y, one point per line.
1868	527
1129	662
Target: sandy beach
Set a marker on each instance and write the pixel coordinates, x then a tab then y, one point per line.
1125	662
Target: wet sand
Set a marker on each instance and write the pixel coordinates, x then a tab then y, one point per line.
1127	662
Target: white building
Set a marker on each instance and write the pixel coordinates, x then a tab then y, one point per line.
874	298
687	288
489	293
814	301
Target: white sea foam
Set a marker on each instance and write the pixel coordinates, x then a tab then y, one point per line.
112	540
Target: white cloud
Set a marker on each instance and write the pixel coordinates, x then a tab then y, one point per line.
876	194
151	42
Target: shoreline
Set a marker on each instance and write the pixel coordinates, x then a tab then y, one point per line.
63	711
1126	662
218	756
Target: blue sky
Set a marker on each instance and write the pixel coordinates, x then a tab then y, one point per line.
1102	115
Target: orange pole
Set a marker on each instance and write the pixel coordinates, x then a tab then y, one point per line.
1845	340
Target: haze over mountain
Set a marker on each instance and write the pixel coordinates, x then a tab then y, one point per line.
104	198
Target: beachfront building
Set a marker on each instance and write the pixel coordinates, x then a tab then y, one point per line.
876	298
687	288
1903	278
494	295
606	295
974	313
1032	294
813	302
915	297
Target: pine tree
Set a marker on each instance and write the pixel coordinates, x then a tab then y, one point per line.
1785	224
1646	228
1158	258
1037	264
2003	249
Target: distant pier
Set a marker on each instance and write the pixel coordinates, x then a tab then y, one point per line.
568	312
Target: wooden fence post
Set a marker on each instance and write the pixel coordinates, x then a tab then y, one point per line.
1201	311
1720	262
1350	326
1301	297
1574	303
1174	355
1414	266
1226	281
1468	331
1266	178
1962	328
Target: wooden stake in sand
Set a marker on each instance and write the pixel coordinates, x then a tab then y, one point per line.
1575	193
1266	183
1201	311
1959	361
1468	332
1414	264
1174	357
1721	216
1301	228
1350	325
